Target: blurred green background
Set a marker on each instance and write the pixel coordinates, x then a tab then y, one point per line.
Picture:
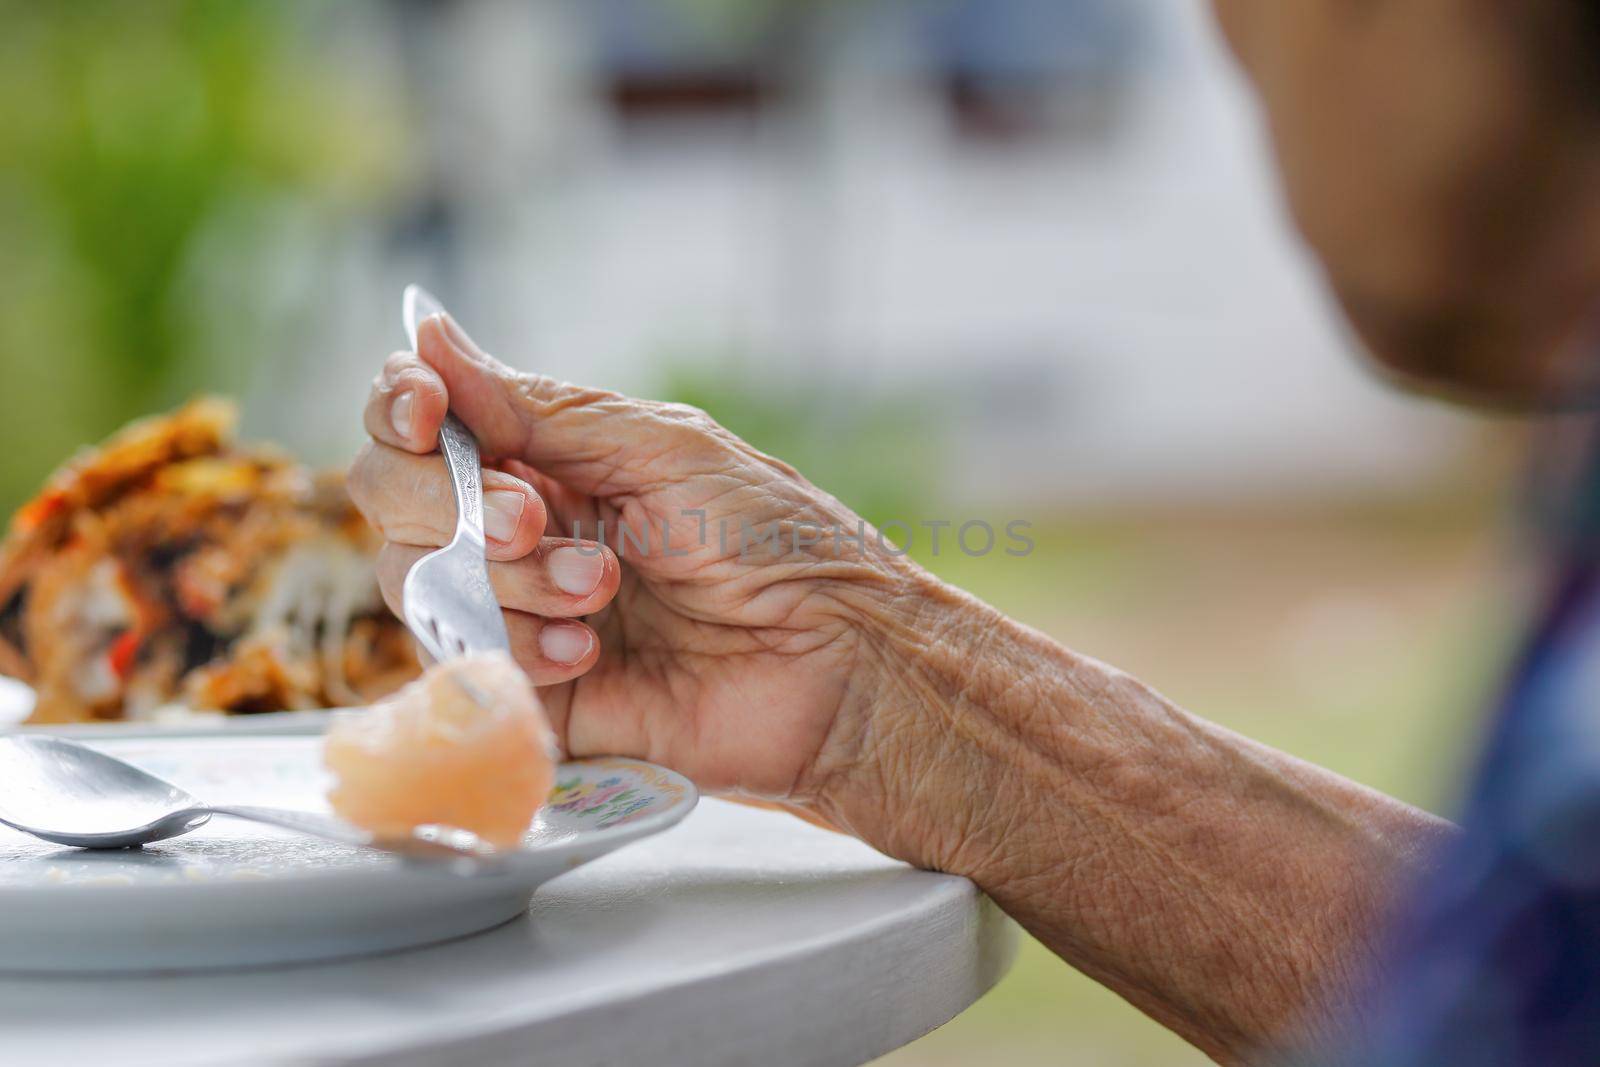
149	157
960	260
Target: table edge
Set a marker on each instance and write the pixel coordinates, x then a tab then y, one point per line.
916	983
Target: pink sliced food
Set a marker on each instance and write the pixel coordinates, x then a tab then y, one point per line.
466	745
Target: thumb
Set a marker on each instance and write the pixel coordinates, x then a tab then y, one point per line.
599	442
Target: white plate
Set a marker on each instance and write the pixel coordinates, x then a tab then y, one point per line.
233	894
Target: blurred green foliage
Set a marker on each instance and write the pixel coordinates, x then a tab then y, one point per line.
142	147
879	455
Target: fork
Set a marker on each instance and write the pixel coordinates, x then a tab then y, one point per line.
446	598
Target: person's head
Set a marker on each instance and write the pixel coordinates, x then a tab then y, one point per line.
1442	158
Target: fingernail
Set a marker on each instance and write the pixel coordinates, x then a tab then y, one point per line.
565	643
502	508
576	573
400	415
458	337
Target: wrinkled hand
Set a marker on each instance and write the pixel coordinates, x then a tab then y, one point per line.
625	545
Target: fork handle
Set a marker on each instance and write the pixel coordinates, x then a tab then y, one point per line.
461	456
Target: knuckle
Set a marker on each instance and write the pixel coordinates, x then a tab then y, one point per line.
394	370
544	394
531	395
415	375
691	433
358	479
687	414
409	502
411	532
689	422
424	382
528	586
395	363
391	566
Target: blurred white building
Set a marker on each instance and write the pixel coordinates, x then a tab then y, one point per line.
1066	222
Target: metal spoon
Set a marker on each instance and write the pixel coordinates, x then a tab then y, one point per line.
74	795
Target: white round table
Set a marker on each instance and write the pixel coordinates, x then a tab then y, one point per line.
739	937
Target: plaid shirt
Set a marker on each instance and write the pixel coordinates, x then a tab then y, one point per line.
1497	960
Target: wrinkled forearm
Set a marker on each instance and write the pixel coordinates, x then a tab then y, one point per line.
1232	892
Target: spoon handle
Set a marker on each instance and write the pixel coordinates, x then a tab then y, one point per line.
430	844
303	822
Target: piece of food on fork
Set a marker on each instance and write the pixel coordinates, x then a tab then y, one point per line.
465	746
171	565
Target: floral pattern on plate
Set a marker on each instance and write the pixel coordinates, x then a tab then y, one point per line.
611	792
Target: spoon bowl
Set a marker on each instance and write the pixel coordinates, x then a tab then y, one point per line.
71	794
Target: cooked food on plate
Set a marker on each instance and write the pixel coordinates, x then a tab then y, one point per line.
172	566
467	745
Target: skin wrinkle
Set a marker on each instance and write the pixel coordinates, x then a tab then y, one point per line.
1121	790
1198	825
613	462
936	640
530	409
759	635
848	739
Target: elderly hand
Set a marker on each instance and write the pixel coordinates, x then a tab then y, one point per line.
1227	889
704	648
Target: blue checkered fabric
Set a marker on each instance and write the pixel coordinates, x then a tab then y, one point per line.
1496	959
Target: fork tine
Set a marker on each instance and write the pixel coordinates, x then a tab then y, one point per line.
451	640
424	629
